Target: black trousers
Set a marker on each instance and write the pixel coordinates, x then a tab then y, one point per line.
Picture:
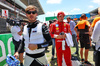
97	58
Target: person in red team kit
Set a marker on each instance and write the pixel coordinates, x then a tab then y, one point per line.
57	31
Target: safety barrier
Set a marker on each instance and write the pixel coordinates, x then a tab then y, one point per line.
6	47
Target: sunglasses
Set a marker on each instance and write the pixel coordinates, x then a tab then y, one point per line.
29	12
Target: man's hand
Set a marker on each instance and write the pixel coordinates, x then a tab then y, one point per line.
76	30
16	55
61	36
64	36
20	33
32	46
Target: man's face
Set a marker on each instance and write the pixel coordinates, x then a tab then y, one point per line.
60	18
31	15
68	19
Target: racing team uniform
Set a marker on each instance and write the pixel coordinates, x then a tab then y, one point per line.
36	33
55	29
83	28
94	21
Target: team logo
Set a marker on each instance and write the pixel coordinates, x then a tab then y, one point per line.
34	31
65	29
57	28
64	24
57	31
57	25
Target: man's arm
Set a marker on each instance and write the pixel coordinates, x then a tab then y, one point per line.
73	25
52	32
47	37
20	48
76	30
91	30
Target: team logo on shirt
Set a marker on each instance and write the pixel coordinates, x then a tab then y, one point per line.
57	28
57	25
65	29
34	31
64	24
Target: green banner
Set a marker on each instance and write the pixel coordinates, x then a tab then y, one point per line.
50	18
6	47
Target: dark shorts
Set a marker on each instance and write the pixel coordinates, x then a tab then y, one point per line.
84	41
17	44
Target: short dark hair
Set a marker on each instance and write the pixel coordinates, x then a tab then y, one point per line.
29	7
50	21
68	17
83	15
54	20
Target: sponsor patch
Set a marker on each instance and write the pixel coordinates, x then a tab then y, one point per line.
34	31
64	24
57	28
57	25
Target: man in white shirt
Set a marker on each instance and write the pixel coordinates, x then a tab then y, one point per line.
17	37
96	38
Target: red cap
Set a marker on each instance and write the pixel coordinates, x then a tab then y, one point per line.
60	13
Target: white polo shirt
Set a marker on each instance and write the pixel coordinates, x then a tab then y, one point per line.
14	31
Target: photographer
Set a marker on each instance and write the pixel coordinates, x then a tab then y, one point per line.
17	39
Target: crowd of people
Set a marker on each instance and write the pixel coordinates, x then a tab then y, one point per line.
36	37
83	30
